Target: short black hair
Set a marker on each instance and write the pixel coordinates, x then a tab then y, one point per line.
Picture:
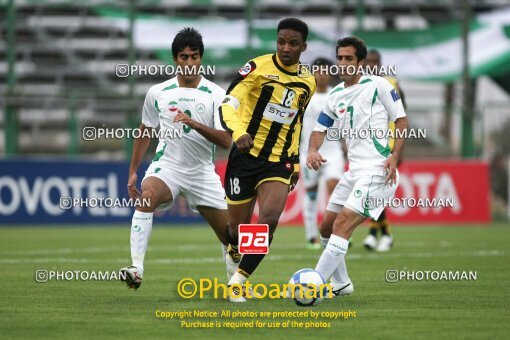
187	37
322	61
295	25
357	43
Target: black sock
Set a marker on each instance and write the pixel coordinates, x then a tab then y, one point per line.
383	223
382	217
385	229
373	231
250	262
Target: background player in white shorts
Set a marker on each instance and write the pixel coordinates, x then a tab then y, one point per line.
358	103
371	241
332	150
181	166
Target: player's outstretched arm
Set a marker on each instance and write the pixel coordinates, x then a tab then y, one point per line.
218	137
140	146
314	159
401	125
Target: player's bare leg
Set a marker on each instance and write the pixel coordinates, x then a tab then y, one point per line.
218	220
330	185
333	257
310	209
238	214
272	197
326	226
155	192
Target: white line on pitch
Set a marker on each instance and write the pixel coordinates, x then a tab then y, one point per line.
272	257
178	248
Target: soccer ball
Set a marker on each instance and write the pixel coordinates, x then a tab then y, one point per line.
309	287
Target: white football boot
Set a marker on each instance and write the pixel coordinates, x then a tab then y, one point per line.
370	242
340	289
385	243
238	296
132	276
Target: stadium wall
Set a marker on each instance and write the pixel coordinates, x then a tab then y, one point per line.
31	192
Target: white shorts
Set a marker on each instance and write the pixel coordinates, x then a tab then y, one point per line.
200	188
364	194
332	169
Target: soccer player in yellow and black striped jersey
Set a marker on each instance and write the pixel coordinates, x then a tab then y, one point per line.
386	241
263	111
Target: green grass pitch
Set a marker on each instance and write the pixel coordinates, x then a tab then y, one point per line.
107	309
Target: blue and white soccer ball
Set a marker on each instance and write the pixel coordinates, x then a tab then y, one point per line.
309	287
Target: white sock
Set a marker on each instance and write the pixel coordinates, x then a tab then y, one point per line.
333	259
224	254
237	278
324	242
310	216
336	274
141	228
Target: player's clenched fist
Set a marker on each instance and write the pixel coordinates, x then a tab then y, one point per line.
314	160
244	143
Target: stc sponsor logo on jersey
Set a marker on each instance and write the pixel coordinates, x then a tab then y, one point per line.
279	114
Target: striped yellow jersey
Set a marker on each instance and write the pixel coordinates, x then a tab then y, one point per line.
393	81
268	100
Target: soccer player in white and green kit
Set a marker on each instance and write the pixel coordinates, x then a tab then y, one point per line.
184	162
359	103
331	172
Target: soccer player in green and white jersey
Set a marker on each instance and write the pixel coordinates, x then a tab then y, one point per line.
359	103
183	165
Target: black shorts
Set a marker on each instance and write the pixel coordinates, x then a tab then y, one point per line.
246	172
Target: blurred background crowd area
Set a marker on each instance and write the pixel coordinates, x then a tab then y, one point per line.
58	60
